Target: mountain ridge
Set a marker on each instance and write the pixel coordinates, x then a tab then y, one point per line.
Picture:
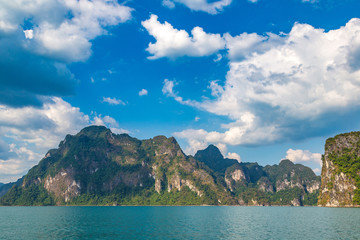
98	167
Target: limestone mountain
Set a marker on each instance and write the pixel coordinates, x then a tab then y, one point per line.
252	184
340	173
98	167
213	158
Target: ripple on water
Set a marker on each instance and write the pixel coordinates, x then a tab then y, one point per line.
179	223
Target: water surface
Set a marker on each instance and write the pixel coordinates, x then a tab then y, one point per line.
179	223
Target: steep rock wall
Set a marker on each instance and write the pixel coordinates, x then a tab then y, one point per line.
340	173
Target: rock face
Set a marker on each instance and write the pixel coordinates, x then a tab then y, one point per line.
341	171
213	158
63	185
283	184
97	167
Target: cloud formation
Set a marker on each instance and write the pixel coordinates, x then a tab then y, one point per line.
173	43
284	87
211	7
233	156
305	157
113	101
143	92
37	40
28	132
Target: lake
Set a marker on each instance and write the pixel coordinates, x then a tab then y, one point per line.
179	223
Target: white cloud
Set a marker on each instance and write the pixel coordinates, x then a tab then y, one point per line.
6	26
310	1
143	92
305	157
41	36
110	123
197	119
212	7
218	57
168	90
29	34
245	44
173	43
283	87
233	156
298	156
113	101
30	132
70	40
168	3
60	37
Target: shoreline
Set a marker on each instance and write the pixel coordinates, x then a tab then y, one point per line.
182	206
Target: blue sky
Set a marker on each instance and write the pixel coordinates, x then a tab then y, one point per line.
263	80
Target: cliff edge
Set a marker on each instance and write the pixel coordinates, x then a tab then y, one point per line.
340	175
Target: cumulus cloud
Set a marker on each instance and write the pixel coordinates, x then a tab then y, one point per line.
5	151
305	157
26	78
110	123
29	34
38	39
310	1
298	156
143	92
245	44
233	156
284	87
28	132
113	101
211	7
173	43
58	36
168	90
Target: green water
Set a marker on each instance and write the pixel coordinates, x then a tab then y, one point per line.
179	223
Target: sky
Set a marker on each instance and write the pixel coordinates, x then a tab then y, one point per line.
263	80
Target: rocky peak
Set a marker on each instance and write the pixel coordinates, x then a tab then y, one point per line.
340	185
94	131
286	163
211	153
99	167
163	147
213	158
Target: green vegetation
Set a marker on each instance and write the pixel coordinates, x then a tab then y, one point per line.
311	199
342	156
97	167
212	157
31	196
349	163
147	197
252	196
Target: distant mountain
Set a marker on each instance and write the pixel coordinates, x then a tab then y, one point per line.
252	184
97	167
340	173
4	188
213	158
